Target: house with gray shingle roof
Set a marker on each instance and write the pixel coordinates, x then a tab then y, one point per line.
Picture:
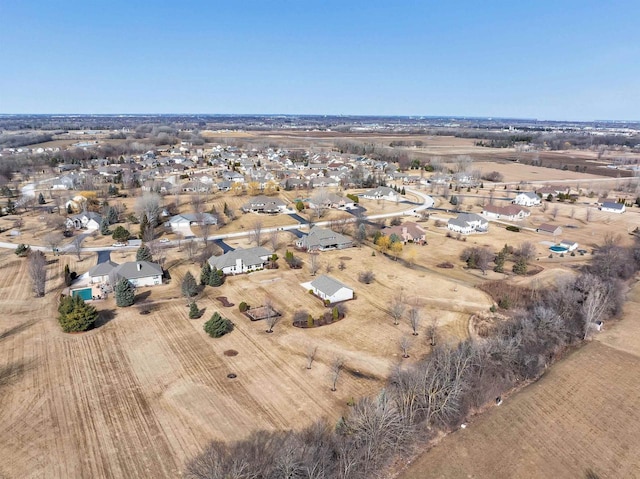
467	223
328	288
139	273
100	272
264	204
322	239
241	260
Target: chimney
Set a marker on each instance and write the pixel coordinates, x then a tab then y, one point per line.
139	266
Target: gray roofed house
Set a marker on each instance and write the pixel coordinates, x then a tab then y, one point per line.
88	220
264	204
467	223
613	207
381	192
241	260
323	239
328	288
188	219
100	272
139	273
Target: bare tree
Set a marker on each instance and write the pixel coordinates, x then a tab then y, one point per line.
554	211
256	231
314	263
272	317
596	303
38	272
405	344
205	226
320	201
149	204
526	251
274	239
414	319
397	308
462	163
77	245
588	215
432	331
544	206
191	247
197	203
311	354
53	240
336	370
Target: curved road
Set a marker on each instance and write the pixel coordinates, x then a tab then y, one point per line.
427	202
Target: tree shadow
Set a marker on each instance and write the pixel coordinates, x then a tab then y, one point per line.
16	329
142	296
104	317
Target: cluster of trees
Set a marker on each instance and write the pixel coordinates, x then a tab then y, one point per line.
211	276
74	315
293	261
479	257
437	392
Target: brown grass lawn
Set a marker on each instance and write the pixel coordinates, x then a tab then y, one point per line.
582	415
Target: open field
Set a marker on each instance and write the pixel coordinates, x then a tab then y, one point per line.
581	416
140	394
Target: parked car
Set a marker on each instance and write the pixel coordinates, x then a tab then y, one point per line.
164	240
118	245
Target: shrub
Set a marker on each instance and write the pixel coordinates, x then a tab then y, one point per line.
218	326
243	307
75	315
366	277
121	234
520	266
515	229
504	303
353	198
194	312
22	250
335	314
301	318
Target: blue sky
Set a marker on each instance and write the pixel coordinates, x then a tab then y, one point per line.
542	59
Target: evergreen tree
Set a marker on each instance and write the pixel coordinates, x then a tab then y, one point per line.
403	192
194	312
125	296
205	273
104	227
144	226
144	254
500	258
218	326
11	207
189	285
67	275
69	210
76	315
226	210
23	250
112	216
121	234
41	199
216	277
520	266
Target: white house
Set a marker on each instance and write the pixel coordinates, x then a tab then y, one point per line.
508	212
330	289
570	245
611	207
264	204
527	198
138	273
241	260
88	220
180	222
467	223
382	193
323	239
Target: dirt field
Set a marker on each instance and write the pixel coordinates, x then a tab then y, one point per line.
140	394
581	416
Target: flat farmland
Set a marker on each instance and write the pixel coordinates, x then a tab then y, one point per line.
140	394
581	416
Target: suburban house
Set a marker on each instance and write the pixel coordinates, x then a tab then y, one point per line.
570	245
508	212
241	260
467	223
382	193
322	239
408	231
88	220
327	288
100	272
331	200
178	222
612	207
549	229
138	273
552	190
527	198
264	204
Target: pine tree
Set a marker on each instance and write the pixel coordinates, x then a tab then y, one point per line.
67	275
41	199
11	207
216	277
218	326
144	254
144	226
75	315
121	234
112	216
500	258
125	296
69	209
189	285
205	273
520	266
403	192
194	312
104	227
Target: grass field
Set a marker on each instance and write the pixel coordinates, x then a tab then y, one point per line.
581	416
